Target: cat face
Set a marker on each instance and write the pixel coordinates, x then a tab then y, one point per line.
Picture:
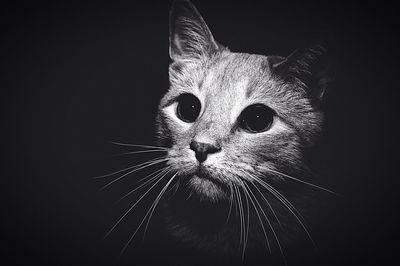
224	90
230	118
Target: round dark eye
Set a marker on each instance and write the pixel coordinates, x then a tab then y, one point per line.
188	108
256	118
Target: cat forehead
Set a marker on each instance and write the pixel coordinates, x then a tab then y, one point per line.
235	73
227	78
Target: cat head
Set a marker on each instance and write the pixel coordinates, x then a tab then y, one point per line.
229	118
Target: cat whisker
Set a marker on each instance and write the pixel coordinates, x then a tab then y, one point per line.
241	216
269	206
151	209
242	241
271	189
157	200
286	200
268	221
139	145
230	203
301	181
138	152
235	201
239	205
133	206
287	204
262	225
128	168
190	194
149	180
175	188
248	220
300	218
132	171
265	199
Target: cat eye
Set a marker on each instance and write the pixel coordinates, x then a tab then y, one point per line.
188	108
256	118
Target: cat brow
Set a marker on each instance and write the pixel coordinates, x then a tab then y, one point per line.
255	82
252	87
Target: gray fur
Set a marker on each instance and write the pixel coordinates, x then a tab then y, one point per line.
226	83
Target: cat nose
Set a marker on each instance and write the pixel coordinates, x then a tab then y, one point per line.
203	149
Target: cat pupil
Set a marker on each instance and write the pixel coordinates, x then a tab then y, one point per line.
188	108
256	118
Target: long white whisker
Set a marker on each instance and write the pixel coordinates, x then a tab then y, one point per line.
236	202
128	168
242	220
239	205
279	196
287	201
230	203
131	172
138	152
138	146
133	206
151	177
269	223
288	205
157	200
133	235
269	206
175	188
301	181
261	223
266	200
248	221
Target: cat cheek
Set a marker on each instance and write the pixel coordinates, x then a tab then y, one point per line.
181	159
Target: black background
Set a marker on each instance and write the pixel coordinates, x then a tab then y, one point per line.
76	76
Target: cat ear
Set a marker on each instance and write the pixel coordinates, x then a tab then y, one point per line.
189	35
309	68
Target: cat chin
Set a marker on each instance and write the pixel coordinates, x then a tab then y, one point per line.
207	189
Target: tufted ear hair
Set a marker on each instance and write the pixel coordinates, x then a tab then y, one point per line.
189	35
309	68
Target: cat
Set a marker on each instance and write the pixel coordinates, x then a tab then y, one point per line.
237	129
